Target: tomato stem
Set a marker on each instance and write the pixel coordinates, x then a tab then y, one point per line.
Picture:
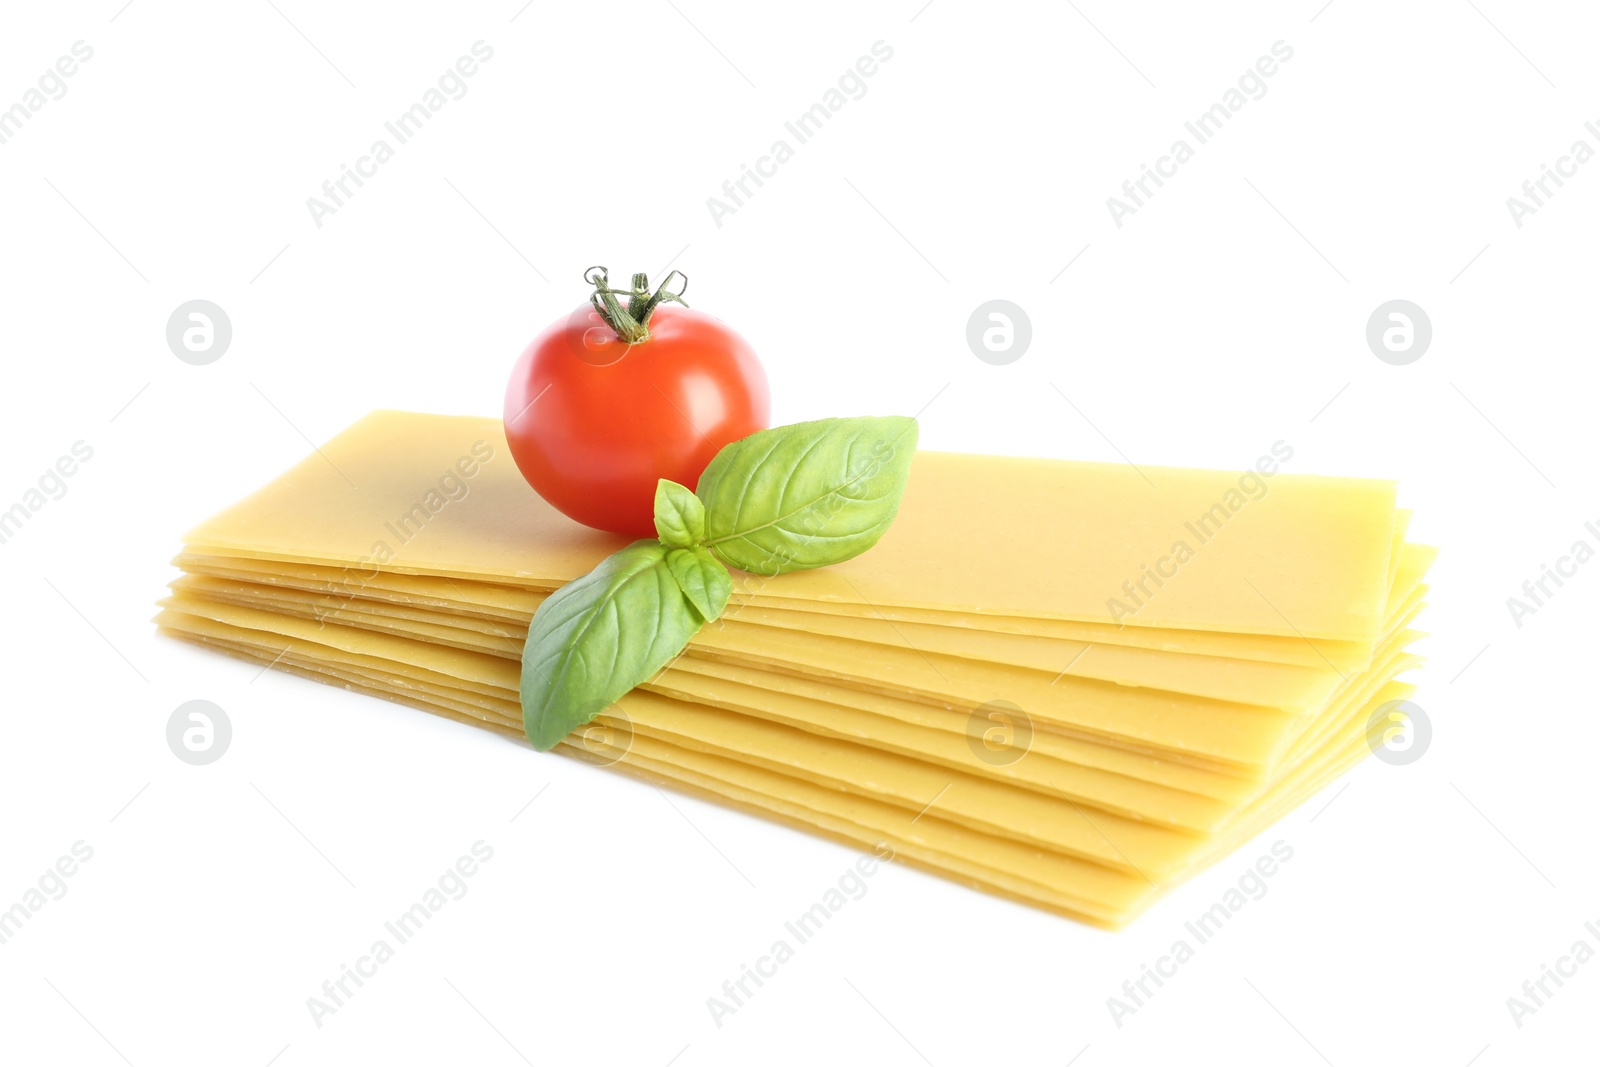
631	323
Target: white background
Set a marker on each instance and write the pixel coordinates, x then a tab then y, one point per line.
1226	314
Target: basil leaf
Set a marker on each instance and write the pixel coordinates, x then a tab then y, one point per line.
680	517
807	495
599	636
706	583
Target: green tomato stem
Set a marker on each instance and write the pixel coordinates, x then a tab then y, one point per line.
631	323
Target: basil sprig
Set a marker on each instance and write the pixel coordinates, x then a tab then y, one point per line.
786	499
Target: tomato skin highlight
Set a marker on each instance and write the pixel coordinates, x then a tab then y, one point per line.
593	422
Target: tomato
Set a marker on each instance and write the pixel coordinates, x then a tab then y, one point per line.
593	421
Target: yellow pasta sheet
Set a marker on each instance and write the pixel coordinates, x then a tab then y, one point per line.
1236	734
1288	555
1138	786
886	651
949	839
968	799
955	682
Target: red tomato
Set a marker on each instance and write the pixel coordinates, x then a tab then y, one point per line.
593	422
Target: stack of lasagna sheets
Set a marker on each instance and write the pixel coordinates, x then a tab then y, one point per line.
1070	684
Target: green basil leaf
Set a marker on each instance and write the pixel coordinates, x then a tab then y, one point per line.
706	583
807	495
680	516
598	637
